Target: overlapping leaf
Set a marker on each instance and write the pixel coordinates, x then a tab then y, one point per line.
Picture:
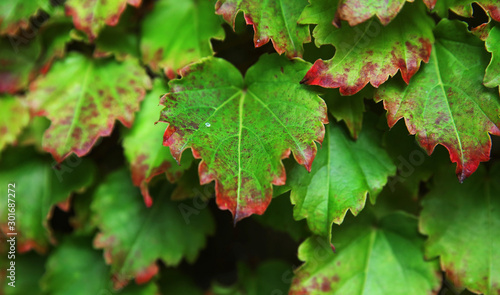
134	237
91	16
463	7
375	257
14	116
241	128
143	147
358	11
176	33
274	20
492	75
370	52
446	103
15	14
463	225
342	175
39	187
83	98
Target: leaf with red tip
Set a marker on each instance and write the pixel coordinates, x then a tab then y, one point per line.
274	20
370	52
143	146
134	237
463	7
446	103
492	75
176	33
342	175
358	11
368	251
38	187
83	98
15	14
462	222
91	16
14	116
242	128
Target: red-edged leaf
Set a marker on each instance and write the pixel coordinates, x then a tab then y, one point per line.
446	103
492	75
83	98
370	52
241	128
463	7
275	20
358	11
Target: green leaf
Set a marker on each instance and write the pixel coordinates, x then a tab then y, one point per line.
358	11
83	98
372	257
463	226
492	75
177	33
75	268
275	20
342	175
38	187
446	103
463	7
29	269
143	147
370	52
134	237
91	16
14	116
15	14
242	128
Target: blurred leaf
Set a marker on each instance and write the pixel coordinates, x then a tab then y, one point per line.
15	14
29	270
14	116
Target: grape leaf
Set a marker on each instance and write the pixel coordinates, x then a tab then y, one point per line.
91	16
83	97
370	52
368	253
31	266
492	75
358	11
241	128
463	7
446	102
39	187
463	226
143	147
342	175
162	43
14	116
75	268
275	20
15	14
134	237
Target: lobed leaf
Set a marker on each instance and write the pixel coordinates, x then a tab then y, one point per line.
242	128
359	11
463	7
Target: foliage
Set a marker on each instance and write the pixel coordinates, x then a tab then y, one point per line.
284	113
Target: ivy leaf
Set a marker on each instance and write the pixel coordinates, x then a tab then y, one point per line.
492	75
134	237
75	268
446	102
358	11
342	175
369	52
463	7
91	16
463	226
39	187
143	147
275	20
241	128
83	98
14	116
161	47
15	14
368	251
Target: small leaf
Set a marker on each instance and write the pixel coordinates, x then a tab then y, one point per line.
358	11
446	102
143	147
14	116
83	98
164	44
368	253
242	128
343	174
275	20
492	75
134	237
463	226
370	52
15	14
